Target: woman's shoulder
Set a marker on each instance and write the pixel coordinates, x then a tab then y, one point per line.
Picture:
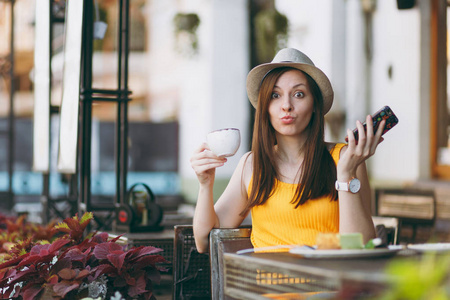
246	159
338	148
246	166
335	146
245	162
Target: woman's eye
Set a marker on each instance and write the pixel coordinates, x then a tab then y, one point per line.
275	95
299	94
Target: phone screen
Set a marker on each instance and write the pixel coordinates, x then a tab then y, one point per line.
385	113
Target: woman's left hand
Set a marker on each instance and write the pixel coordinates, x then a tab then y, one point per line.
359	151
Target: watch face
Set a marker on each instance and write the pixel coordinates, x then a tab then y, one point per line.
354	185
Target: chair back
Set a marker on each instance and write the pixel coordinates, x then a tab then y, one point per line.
224	240
191	269
413	208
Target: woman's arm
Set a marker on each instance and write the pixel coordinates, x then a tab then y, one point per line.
225	214
204	163
355	209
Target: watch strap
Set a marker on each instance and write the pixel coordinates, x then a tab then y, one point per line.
341	186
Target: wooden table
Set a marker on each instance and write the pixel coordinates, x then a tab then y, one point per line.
269	275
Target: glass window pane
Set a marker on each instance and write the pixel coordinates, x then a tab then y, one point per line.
103	161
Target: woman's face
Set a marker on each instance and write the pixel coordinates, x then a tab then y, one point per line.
292	104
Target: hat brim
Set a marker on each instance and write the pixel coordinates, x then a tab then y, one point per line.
256	75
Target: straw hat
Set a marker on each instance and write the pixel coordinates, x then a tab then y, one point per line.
294	58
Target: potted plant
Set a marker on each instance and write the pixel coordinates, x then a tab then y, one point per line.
186	25
421	278
271	33
74	267
15	230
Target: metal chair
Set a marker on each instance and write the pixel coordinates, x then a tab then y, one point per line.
221	241
413	207
191	269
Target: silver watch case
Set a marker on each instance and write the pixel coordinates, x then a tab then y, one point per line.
353	186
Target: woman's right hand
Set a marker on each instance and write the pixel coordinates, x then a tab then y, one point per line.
204	163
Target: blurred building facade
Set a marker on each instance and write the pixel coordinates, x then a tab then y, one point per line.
189	79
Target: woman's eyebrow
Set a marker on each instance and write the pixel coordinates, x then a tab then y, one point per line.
300	84
295	86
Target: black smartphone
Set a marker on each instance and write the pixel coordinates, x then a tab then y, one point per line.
385	113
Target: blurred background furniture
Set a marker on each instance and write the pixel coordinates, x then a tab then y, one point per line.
388	226
414	208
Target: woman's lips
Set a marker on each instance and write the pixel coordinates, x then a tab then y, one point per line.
287	120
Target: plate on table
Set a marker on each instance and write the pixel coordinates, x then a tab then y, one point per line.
346	253
430	247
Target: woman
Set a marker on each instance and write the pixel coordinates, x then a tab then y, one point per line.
294	183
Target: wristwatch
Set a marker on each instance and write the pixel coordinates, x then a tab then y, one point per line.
352	186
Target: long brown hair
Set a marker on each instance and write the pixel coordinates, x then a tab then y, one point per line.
318	171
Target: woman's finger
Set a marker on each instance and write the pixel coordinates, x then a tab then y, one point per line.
208	160
370	137
361	137
378	138
369	125
380	129
205	169
351	139
204	146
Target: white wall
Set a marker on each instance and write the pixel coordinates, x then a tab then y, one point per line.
204	91
396	44
214	94
229	67
356	101
164	65
310	29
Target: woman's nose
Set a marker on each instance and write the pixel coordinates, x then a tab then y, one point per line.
287	105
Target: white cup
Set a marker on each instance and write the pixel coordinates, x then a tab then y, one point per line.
224	142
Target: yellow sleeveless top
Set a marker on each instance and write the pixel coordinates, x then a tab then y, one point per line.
278	222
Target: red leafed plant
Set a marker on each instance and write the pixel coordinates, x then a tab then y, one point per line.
73	267
20	235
